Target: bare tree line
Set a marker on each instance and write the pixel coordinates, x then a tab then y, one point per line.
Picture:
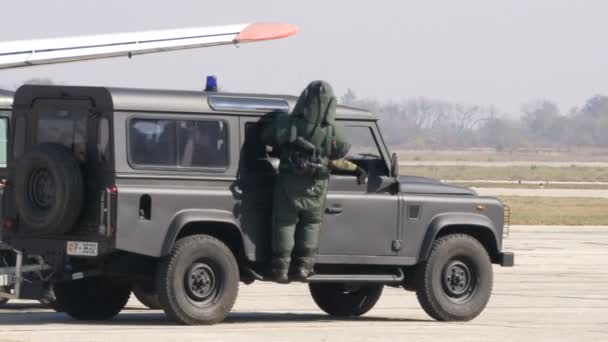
422	123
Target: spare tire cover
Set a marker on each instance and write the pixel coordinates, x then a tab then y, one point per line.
48	191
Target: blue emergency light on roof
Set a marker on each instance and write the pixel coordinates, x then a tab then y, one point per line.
211	84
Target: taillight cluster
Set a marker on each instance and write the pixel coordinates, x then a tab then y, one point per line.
7	223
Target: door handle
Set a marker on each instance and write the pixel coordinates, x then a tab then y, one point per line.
334	210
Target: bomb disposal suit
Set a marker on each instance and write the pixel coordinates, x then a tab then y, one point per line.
308	141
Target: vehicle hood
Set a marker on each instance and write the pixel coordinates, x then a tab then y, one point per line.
422	185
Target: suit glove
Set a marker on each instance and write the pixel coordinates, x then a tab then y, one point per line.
361	176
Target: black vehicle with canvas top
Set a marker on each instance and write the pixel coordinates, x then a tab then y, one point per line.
168	194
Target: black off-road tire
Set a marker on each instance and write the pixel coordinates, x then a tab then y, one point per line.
198	282
3	300
50	304
48	190
147	297
50	300
343	300
455	282
92	299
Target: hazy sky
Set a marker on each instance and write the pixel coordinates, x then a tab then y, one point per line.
504	53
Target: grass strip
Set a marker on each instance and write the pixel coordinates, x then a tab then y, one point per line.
557	210
515	173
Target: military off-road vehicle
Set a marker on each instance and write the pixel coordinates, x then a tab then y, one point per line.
168	194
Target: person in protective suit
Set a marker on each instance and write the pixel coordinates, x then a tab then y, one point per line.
309	144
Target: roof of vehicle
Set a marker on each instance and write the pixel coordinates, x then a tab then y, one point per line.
6	99
178	101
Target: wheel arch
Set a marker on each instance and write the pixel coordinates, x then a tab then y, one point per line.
222	225
478	226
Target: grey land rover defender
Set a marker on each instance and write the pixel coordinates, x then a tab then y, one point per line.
167	194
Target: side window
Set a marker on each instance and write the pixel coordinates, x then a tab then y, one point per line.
20	132
178	144
202	144
103	136
363	143
364	150
152	142
3	141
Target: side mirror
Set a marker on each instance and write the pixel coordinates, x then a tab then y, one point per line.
394	166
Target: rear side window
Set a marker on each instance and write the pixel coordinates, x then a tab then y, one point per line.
64	127
202	144
152	142
20	131
178	144
103	136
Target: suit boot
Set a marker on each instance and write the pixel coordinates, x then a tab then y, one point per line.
280	276
304	269
279	271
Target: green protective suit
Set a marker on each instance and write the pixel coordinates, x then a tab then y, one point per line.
299	200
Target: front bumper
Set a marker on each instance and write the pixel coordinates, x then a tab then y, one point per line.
506	259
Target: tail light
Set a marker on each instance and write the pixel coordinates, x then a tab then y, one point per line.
108	205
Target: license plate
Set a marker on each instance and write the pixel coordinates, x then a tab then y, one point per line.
78	248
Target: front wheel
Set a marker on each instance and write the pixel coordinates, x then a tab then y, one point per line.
92	299
455	282
344	300
199	281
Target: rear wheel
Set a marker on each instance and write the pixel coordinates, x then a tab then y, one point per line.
49	300
344	300
3	300
94	298
455	282
198	282
147	296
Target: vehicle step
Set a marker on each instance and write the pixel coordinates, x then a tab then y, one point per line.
357	278
391	278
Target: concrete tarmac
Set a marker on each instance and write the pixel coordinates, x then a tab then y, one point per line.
558	291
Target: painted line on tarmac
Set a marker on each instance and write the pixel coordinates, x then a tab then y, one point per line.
547	182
